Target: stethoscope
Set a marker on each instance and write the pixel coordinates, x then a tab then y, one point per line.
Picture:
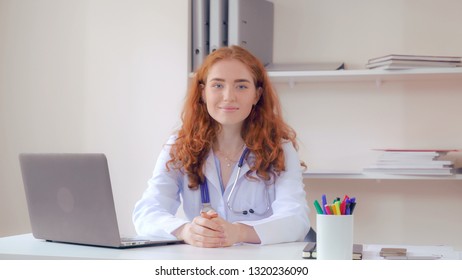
205	197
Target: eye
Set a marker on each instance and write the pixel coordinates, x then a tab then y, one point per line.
242	87
217	85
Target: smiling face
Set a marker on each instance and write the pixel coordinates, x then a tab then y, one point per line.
230	92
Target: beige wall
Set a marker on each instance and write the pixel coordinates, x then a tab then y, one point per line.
109	76
339	123
89	76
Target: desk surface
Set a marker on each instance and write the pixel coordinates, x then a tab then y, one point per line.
27	247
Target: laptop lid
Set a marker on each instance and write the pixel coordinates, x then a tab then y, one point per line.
69	198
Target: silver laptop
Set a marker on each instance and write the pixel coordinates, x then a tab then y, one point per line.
69	197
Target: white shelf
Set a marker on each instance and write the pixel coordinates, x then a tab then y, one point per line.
369	176
375	75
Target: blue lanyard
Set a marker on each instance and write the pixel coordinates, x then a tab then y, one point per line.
205	196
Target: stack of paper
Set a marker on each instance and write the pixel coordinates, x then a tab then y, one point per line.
412	162
396	61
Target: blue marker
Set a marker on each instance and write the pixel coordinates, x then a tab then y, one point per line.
352	205
324	203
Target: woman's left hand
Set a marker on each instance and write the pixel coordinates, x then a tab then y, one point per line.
234	232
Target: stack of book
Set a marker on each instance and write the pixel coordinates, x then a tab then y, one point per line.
396	61
412	162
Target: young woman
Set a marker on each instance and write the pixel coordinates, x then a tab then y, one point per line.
233	163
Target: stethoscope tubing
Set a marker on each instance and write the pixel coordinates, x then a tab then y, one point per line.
205	196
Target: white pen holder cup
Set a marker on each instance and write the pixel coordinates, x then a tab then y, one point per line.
334	237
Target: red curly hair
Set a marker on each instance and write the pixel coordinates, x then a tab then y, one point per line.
263	131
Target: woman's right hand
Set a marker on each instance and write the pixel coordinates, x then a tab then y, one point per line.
203	231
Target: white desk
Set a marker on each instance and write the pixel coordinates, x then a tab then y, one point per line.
27	247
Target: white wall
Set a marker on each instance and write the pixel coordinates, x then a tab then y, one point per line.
89	76
339	123
110	76
41	83
136	69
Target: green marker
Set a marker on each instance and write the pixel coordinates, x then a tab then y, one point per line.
318	207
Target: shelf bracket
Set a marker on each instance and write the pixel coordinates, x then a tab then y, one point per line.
378	82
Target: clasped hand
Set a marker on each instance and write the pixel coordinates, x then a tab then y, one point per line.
210	230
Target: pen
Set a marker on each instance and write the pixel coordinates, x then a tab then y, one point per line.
328	209
352	204
324	202
318	207
337	208
343	204
352	207
347	207
333	209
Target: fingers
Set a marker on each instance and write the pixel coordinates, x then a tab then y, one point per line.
203	232
209	214
210	230
207	227
228	235
206	242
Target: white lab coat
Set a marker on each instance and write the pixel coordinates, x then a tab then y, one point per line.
287	221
